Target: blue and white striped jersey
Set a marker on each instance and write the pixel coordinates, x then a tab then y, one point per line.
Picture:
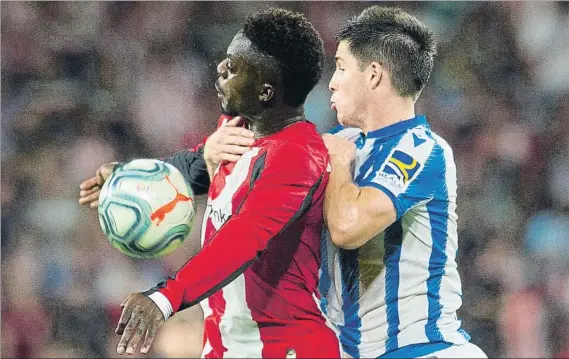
402	287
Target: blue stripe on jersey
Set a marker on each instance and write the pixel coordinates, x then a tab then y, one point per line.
324	282
392	243
350	335
438	213
464	333
398	127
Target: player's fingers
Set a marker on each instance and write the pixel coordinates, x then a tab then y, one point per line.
239	131
88	184
100	178
234	121
88	192
239	140
90	198
123	320
149	338
229	157
125	301
138	332
94	204
234	150
129	330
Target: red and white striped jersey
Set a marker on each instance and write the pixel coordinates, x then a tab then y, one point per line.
256	275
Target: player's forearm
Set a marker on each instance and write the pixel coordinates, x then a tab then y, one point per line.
216	265
339	205
347	213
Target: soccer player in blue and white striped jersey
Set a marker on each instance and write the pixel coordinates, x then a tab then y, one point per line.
389	281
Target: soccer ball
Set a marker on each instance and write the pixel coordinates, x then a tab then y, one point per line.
146	208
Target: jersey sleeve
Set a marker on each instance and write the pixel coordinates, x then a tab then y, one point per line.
191	163
410	173
285	183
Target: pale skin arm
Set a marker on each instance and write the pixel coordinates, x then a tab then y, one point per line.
353	214
228	143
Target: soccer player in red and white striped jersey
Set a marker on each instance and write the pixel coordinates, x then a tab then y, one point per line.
257	272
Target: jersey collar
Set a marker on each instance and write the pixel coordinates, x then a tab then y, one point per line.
398	127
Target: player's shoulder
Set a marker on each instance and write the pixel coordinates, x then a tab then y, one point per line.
299	146
422	142
416	143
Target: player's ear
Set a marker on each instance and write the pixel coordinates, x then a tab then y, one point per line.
375	74
267	93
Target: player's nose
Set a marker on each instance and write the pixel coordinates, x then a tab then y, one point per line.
332	85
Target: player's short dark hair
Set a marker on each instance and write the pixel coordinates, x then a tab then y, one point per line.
397	40
292	40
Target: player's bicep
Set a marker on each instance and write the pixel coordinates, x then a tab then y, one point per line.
380	206
370	214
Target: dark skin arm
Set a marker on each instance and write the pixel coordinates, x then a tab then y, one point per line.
228	143
141	317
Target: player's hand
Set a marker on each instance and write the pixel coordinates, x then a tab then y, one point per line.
90	189
140	317
228	143
340	149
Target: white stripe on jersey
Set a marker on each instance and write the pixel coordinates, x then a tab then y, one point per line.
413	279
222	204
248	339
246	342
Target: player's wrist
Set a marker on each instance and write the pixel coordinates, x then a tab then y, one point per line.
163	304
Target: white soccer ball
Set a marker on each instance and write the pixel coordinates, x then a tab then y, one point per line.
146	208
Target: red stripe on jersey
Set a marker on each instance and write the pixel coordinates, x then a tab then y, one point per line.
211	325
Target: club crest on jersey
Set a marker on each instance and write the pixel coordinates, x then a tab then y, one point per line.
402	166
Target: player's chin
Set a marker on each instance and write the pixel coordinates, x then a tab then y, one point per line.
342	120
227	110
229	113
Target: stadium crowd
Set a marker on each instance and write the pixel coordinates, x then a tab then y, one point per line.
90	82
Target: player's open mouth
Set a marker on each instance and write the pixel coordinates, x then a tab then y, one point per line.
333	106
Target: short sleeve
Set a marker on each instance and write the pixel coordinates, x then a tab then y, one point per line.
411	172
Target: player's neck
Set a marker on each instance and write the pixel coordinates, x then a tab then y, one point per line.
274	120
386	113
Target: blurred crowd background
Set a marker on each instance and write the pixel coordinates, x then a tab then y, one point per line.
84	83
